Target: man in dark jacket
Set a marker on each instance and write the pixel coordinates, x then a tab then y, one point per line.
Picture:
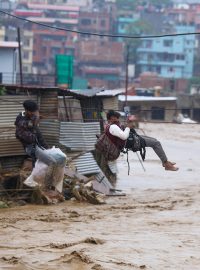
28	133
27	130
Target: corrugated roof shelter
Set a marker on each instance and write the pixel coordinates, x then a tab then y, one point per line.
110	98
11	105
73	136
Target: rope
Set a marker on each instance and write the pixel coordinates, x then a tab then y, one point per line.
128	162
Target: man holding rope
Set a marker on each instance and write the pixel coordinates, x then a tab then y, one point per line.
118	136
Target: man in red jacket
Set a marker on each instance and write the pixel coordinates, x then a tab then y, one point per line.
119	136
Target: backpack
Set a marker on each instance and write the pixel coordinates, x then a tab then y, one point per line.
135	143
107	148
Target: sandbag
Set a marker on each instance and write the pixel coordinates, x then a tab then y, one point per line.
40	170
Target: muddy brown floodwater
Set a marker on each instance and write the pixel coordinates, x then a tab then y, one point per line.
155	226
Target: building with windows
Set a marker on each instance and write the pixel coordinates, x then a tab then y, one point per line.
2	33
124	21
8	63
95	21
150	108
170	57
41	45
100	62
27	51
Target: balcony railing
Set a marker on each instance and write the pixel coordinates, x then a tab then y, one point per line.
47	80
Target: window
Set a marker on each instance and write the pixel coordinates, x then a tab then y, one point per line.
25	69
26	55
150	57
148	44
103	23
180	57
185	112
168	43
86	21
196	114
158	69
171	69
157	113
44	50
55	50
122	25
168	57
26	42
135	109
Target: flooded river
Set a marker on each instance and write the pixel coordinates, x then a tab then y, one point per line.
155	226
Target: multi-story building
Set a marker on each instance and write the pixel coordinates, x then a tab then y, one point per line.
8	63
41	44
2	33
58	2
124	20
6	5
27	51
170	57
49	43
95	21
47	11
100	62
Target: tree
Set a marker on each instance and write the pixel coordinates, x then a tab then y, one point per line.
137	28
133	4
127	4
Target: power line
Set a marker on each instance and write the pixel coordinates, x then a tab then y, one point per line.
98	34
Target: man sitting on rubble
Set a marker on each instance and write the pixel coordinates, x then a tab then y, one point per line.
28	133
116	133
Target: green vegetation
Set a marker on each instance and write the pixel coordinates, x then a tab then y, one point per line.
193	81
2	90
133	4
136	29
126	4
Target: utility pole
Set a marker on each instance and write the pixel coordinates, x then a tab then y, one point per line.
126	80
20	55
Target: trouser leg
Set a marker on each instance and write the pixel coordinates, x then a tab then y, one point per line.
41	155
30	151
157	147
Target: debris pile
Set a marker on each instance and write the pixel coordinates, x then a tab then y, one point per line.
77	186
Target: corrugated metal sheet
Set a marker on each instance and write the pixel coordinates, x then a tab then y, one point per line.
146	98
10	163
50	131
73	108
113	166
86	164
10	107
86	92
101	183
111	93
79	136
76	136
49	104
110	103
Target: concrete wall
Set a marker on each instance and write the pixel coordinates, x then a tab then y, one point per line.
8	65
